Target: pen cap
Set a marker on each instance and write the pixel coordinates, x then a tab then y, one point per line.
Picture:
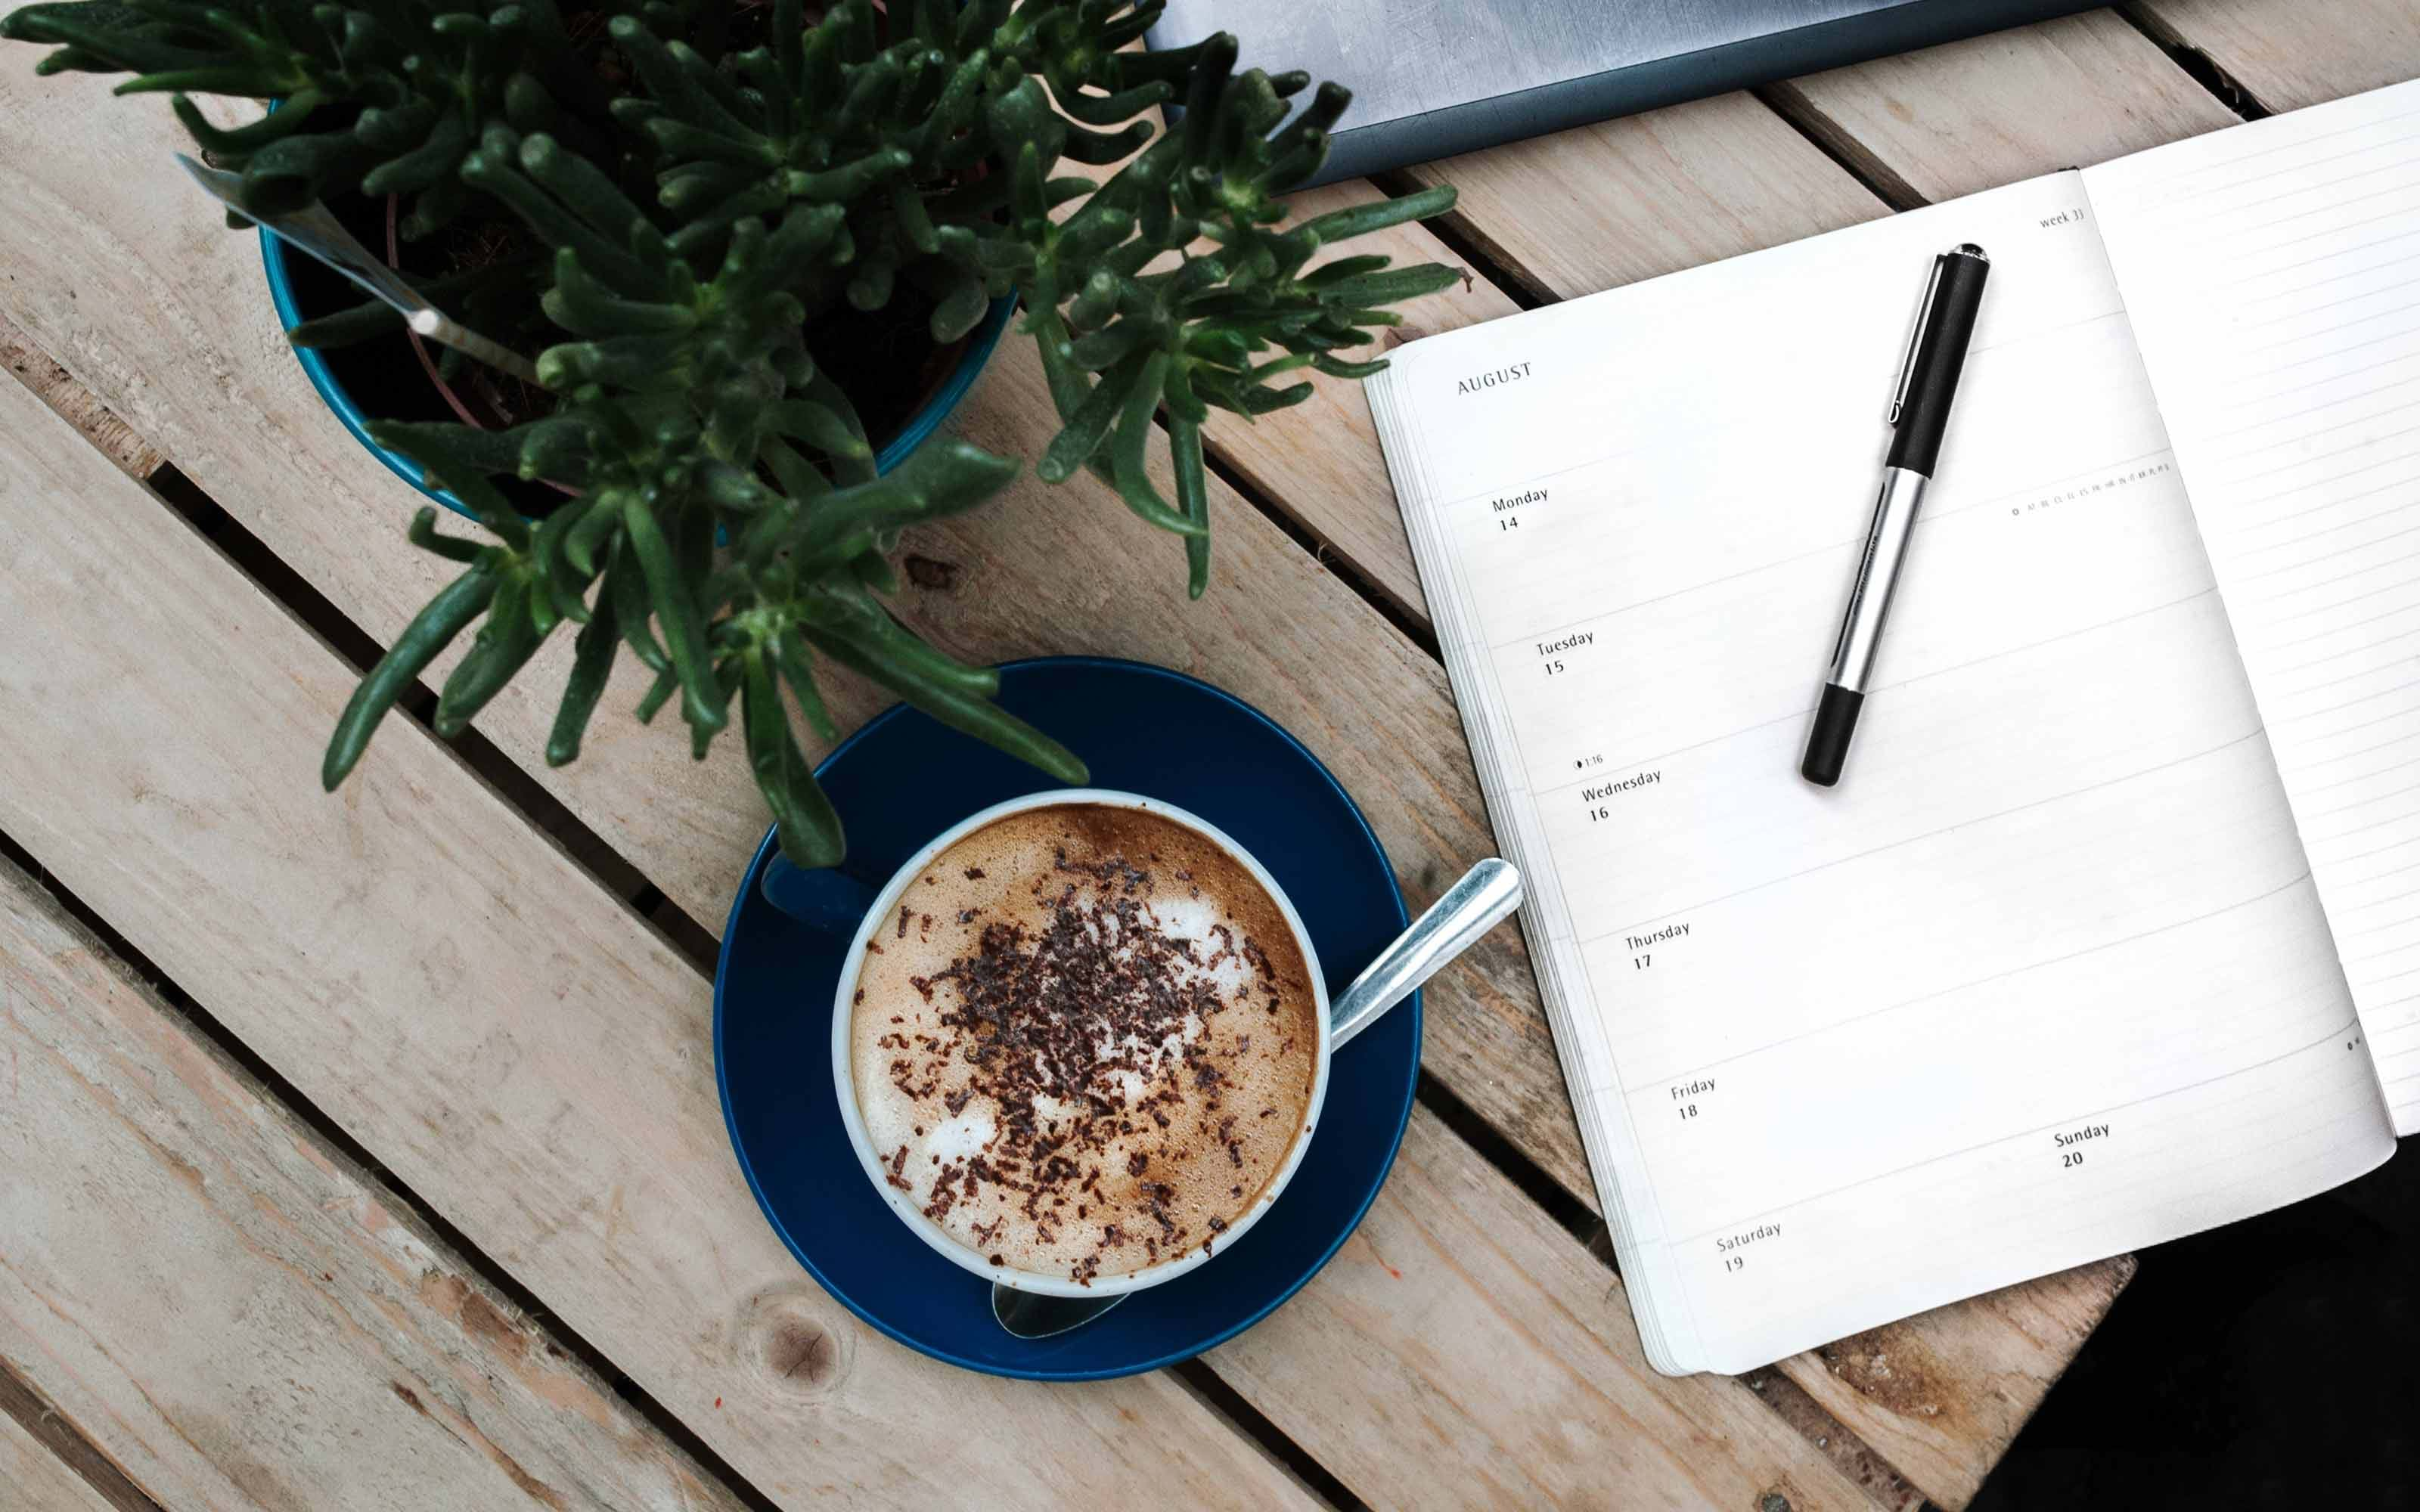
1936	357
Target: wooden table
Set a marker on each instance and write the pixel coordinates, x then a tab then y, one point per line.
364	1152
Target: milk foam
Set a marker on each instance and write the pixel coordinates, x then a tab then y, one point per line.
1127	952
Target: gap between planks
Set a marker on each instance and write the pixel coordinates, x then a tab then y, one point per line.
2196	62
237	543
1302	532
1474	246
1827	136
52	1433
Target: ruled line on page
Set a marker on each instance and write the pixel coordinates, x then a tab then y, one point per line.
2023	1133
1683	1074
2307	311
1802	711
1694	906
2300	149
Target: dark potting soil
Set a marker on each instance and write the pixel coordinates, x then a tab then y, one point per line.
885	359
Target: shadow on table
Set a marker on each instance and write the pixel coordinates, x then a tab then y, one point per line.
2266	1364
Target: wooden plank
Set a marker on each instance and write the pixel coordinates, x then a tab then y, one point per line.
1498	1367
502	1033
279	463
1991	110
372	1367
2294	53
1927	1390
1601	205
43	1479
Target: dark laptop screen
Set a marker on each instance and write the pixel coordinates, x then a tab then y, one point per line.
1434	77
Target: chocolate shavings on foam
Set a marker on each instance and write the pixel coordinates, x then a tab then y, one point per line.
1075	1015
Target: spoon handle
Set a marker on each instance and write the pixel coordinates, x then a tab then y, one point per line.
1453	923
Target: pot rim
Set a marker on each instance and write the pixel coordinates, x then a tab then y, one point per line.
928	417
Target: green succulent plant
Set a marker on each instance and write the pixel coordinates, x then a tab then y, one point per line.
699	181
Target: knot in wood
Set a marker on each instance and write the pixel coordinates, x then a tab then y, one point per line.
789	1338
929	572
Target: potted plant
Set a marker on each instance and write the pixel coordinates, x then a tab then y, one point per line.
688	196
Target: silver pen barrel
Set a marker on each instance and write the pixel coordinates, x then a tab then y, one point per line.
1861	625
1870	599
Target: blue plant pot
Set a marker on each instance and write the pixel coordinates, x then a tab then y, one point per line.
889	455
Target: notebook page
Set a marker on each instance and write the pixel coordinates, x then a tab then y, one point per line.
2272	273
2045	977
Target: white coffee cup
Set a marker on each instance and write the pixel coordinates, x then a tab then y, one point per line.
852	1119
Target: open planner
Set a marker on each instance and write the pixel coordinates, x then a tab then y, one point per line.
2112	931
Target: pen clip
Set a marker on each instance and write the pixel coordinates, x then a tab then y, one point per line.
1915	340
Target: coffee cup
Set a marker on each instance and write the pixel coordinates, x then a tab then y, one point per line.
1176	1075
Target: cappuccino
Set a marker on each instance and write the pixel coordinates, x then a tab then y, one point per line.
1083	1040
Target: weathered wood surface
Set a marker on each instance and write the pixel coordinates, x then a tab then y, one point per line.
1932	1387
499	1031
2295	53
1610	204
239	1315
1991	110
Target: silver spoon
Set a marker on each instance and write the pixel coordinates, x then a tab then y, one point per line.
1452	924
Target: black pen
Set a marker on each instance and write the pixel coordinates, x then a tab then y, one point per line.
1919	413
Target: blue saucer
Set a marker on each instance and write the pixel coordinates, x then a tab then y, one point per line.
897	783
